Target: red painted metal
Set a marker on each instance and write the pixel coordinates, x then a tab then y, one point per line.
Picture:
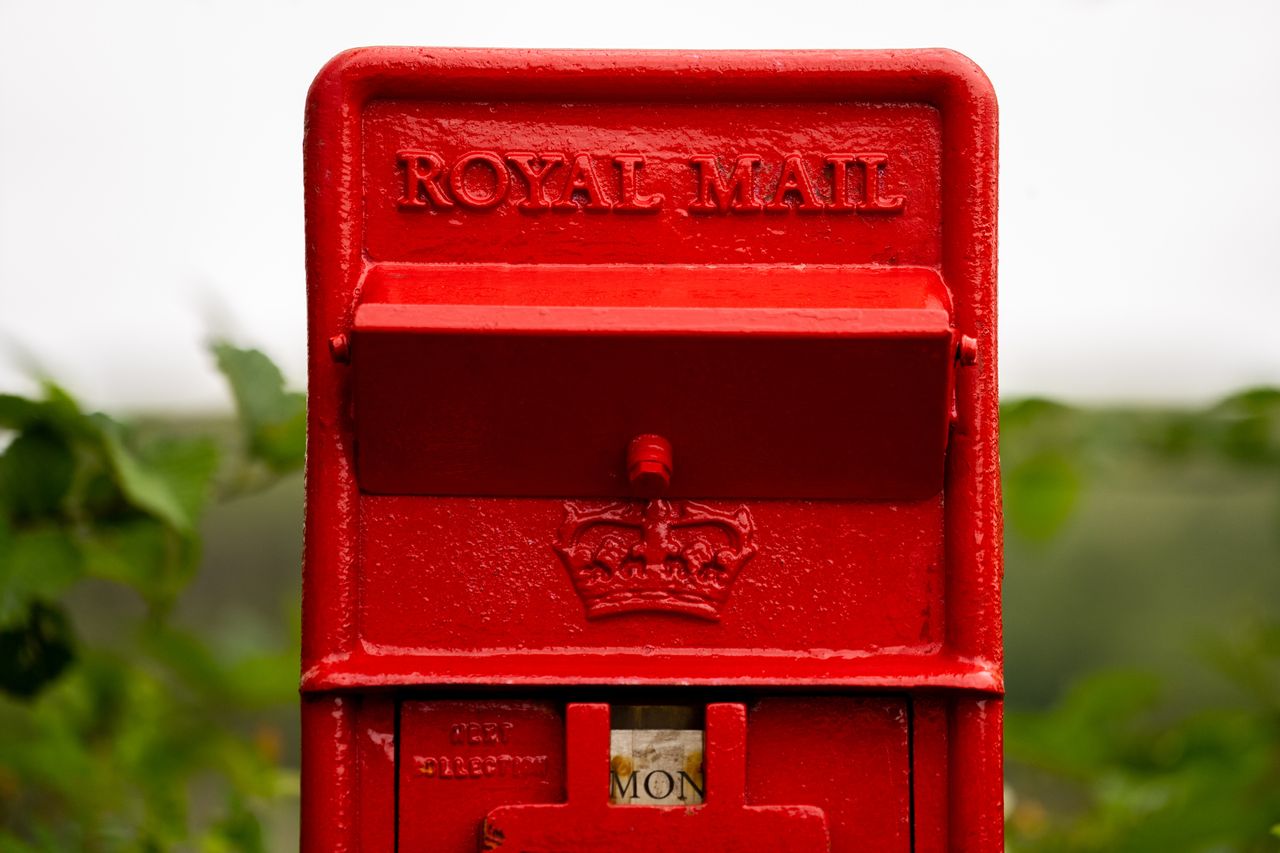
849	756
651	377
569	386
461	758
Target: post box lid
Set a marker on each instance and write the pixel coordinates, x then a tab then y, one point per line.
822	383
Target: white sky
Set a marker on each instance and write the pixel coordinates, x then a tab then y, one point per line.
151	192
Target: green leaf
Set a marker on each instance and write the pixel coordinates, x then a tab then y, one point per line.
17	412
1040	493
1028	413
108	749
144	487
1090	729
272	419
58	411
35	565
141	553
187	467
36	472
35	651
1250	426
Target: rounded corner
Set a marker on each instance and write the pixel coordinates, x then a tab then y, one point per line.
341	72
964	76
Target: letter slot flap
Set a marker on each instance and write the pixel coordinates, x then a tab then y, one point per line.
817	383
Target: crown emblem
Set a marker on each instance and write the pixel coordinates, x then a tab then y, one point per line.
658	555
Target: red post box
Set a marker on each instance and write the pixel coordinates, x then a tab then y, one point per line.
652	477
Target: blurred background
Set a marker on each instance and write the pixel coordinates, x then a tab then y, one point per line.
152	318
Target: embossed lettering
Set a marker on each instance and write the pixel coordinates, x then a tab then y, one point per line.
737	192
840	201
464	194
449	767
534	177
480	734
872	165
422	171
794	179
531	765
482	180
629	195
582	179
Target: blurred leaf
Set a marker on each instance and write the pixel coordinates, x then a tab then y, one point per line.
1251	660
1154	781
35	565
188	658
145	488
258	680
187	467
141	553
102	499
237	832
1018	415
1250	424
35	473
17	412
273	420
119	749
1088	728
1040	493
57	412
35	651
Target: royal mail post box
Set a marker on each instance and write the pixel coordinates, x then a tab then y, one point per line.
652	484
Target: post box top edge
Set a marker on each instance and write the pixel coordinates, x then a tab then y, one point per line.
935	74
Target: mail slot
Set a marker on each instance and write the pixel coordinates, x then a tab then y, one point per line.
652	489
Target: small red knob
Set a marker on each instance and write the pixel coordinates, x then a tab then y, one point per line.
340	349
649	465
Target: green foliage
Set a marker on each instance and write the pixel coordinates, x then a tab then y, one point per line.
1042	478
120	745
273	420
1143	780
1118	764
1049	452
